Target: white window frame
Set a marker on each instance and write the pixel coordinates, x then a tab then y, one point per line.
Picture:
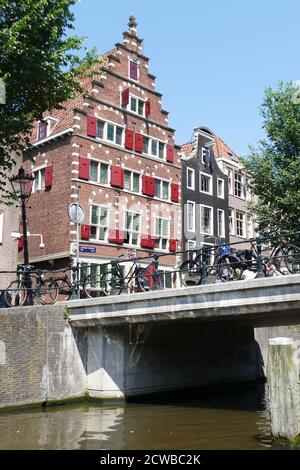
193	203
192	177
138	232
159	236
210	183
221	235
230	180
1	226
161	181
222	186
237	220
98	181
105	139
212	254
38	170
202	206
131	180
205	150
101	206
237	173
232	231
190	245
128	107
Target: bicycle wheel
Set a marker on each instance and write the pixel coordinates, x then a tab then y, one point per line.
190	273
49	292
287	259
145	280
229	268
64	290
95	286
16	294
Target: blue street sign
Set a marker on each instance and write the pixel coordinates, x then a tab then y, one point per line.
87	249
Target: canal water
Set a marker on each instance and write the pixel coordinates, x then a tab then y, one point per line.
227	418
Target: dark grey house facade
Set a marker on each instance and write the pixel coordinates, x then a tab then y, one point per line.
204	193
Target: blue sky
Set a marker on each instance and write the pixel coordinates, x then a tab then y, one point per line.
212	59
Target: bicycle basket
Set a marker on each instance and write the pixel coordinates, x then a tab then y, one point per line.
224	250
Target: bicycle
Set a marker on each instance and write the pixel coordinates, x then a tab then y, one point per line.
226	265
138	279
17	292
86	285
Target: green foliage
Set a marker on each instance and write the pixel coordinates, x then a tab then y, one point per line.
40	65
275	163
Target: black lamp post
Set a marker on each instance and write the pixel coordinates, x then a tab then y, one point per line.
22	187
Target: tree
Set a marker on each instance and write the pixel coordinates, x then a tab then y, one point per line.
275	163
40	66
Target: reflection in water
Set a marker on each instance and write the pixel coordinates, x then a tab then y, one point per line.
219	419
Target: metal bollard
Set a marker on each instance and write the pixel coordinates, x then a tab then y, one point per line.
113	278
155	274
260	272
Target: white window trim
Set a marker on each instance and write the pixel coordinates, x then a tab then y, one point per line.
161	180
108	220
204	150
242	183
131	181
210	184
221	235
128	107
159	236
194	216
1	226
212	219
193	178
104	139
212	254
223	185
233	220
98	173
244	219
34	171
152	154
230	188
130	231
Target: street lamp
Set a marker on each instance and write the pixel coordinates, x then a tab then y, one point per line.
22	187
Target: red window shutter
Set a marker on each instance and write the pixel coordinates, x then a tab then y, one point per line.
48	176
150	186
174	192
129	137
125	97
172	245
116	236
91	126
151	242
85	232
20	243
133	70
148	108
145	184
117	177
139	142
144	241
170	153
84	168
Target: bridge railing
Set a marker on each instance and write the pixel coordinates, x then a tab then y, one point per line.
221	262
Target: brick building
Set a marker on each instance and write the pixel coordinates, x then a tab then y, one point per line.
112	151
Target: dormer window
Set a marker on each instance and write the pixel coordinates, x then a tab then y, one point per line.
46	126
42	130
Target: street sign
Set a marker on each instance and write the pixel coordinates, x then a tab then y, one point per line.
76	213
87	249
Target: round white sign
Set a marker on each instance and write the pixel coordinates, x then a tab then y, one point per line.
76	213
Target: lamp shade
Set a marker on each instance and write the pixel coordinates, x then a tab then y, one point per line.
22	184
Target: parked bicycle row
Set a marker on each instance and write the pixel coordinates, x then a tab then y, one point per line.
219	263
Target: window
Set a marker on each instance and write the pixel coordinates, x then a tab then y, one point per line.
238	185
110	132
248	189
205	183
205	156
161	233
99	222
146	145
154	147
190	178
229	173
240	222
1	226
161	189
190	245
221	223
136	105
208	254
161	150
42	130
39	179
131	181
206	220
190	216
132	228
230	221
98	172
220	188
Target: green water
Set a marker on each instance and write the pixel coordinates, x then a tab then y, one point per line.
206	419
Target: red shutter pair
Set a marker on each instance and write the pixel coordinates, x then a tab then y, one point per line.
147	241
116	236
134	141
117	177
174	192
91	126
148	185
85	232
125	97
170	153
84	168
48	176
172	245
133	70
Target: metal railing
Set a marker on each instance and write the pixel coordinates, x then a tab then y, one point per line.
153	270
